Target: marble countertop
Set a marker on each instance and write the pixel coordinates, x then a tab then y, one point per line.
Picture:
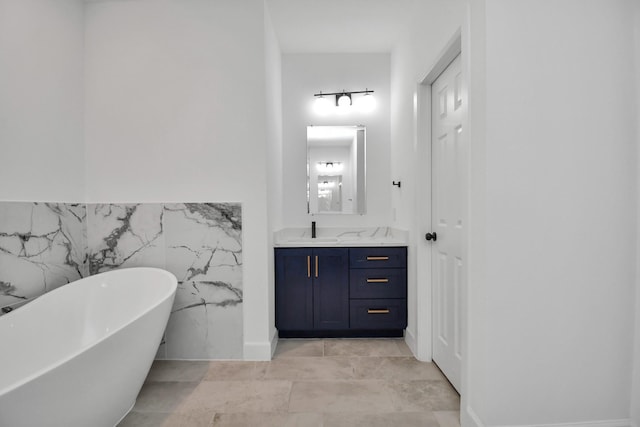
338	236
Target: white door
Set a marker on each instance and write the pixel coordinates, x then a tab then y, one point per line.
448	101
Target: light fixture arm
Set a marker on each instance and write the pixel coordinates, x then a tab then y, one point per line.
344	99
343	92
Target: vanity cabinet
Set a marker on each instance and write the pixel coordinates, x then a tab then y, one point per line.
332	292
378	288
312	289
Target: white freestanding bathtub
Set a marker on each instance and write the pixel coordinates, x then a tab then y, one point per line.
78	355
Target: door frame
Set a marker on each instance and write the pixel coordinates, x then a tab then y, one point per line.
424	343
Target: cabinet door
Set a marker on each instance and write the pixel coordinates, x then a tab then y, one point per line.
294	289
331	288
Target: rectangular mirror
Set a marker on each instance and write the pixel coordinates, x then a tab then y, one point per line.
336	169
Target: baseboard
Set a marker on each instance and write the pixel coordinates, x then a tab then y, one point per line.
274	342
260	350
469	418
410	339
602	423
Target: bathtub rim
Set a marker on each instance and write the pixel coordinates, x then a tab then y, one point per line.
49	367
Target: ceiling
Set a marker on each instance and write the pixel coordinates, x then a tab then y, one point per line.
339	26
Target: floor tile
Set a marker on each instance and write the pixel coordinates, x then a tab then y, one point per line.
281	419
448	418
178	370
363	347
238	396
403	347
421	395
340	396
143	419
311	368
396	419
159	419
235	371
299	348
395	368
163	396
309	383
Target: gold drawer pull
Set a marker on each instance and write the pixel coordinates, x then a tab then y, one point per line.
377	311
308	266
377	258
377	280
317	265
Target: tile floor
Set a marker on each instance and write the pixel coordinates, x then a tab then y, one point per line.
315	383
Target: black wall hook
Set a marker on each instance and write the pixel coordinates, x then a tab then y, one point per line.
398	184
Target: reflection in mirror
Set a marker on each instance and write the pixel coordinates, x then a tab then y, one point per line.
336	169
329	193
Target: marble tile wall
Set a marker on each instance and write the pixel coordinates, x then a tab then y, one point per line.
43	246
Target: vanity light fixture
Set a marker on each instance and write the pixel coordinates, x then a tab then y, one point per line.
344	100
323	104
329	167
366	103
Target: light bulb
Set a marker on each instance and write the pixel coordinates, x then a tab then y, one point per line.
344	100
366	103
322	105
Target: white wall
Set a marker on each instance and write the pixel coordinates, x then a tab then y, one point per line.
435	23
273	74
635	391
306	74
41	100
556	192
475	376
175	111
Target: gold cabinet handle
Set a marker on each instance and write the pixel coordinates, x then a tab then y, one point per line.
308	265
316	265
377	311
377	258
377	280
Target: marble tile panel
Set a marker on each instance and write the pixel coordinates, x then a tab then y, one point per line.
42	247
46	245
205	322
204	241
368	396
125	235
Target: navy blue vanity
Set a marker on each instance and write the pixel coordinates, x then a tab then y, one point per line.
341	291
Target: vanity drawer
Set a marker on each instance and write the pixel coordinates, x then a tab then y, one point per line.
379	257
378	314
378	283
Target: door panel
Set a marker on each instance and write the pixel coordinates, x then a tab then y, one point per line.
448	193
331	288
294	293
